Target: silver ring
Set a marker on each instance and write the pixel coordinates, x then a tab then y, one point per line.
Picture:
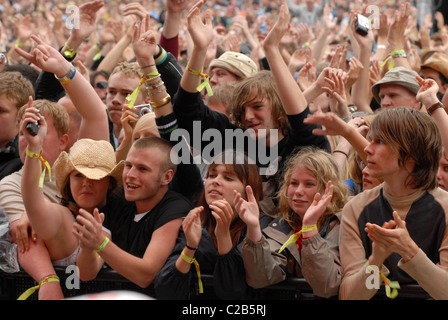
357	123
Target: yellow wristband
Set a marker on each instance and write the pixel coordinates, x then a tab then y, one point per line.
186	258
388	284
204	84
190	260
38	156
133	96
309	228
44	280
103	245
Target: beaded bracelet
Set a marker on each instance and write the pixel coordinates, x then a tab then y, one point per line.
133	96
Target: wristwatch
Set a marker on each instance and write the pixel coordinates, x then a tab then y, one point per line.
435	106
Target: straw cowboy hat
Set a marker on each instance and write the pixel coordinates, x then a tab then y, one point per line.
95	159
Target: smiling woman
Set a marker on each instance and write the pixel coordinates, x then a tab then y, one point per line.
212	233
310	203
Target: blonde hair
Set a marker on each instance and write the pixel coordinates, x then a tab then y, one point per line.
53	110
323	167
128	69
147	121
16	87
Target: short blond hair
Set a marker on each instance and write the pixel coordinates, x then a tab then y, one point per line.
16	87
323	167
53	110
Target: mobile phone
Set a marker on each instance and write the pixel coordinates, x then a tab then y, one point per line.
3	54
143	109
362	25
33	127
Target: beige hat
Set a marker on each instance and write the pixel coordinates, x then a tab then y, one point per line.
236	63
95	159
398	75
437	61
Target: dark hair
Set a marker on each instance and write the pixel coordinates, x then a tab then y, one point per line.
248	174
103	73
28	72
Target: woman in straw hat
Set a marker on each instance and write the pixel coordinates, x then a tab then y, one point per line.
84	177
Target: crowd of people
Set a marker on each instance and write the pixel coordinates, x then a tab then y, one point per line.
102	104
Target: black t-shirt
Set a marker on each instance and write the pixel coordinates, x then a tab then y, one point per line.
134	237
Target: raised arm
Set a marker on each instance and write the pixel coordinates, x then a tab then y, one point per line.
94	124
45	217
292	98
202	35
428	96
361	88
395	36
333	125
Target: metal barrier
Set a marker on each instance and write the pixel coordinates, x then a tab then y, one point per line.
12	285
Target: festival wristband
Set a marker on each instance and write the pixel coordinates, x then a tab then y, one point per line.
133	96
103	245
189	260
44	162
204	84
44	280
309	228
97	48
69	53
161	57
296	236
394	54
388	285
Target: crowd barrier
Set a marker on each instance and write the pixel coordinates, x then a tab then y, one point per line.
12	285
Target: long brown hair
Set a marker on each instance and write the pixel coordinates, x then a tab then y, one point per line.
411	134
248	174
264	85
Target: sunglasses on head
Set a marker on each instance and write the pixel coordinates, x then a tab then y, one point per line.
100	85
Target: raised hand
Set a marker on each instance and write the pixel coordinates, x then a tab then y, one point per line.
144	42
398	27
223	213
279	29
428	91
87	20
88	229
45	57
201	33
32	115
192	227
319	205
247	210
336	91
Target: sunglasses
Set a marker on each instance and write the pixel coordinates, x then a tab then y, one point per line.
100	85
